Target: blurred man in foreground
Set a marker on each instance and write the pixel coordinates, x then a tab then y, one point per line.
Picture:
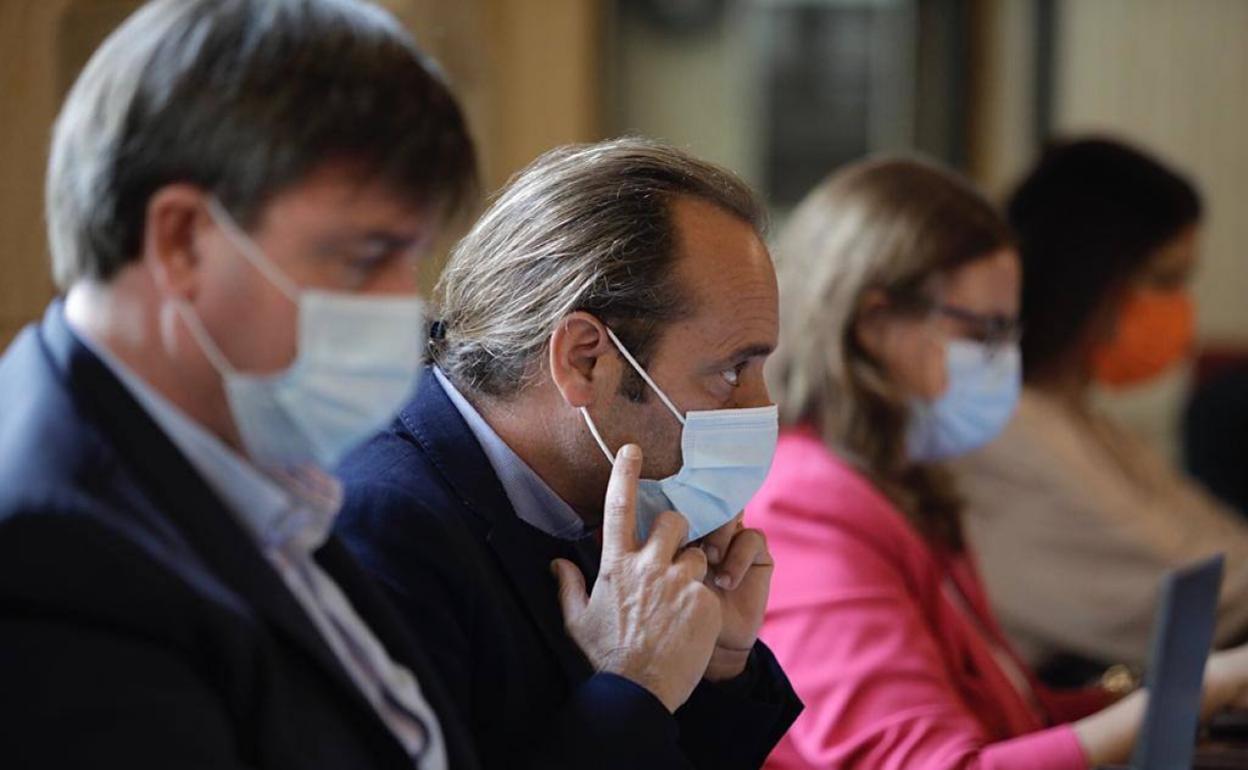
237	193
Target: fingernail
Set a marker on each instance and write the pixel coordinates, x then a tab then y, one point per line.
630	452
554	567
712	554
724	581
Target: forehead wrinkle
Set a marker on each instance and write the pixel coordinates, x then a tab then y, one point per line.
753	329
761	308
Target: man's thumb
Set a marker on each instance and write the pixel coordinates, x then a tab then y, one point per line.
572	597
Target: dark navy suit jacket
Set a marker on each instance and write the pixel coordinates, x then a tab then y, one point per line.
426	514
140	627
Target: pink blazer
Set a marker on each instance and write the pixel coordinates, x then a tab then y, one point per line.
889	643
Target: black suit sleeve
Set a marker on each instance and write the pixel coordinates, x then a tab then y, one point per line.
79	697
736	724
607	723
612	723
87	680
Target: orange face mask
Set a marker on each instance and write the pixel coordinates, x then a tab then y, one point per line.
1155	331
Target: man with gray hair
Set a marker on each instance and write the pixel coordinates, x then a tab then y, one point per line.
237	194
596	415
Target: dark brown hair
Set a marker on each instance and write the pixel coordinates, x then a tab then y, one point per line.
1088	217
584	227
243	98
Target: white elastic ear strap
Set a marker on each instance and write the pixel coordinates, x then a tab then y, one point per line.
593	430
640	370
250	250
202	338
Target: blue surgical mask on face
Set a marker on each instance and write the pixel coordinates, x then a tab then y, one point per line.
725	454
358	359
983	390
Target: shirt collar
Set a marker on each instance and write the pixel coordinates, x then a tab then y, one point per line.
280	510
534	501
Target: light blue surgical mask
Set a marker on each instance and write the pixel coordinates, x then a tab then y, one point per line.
725	455
984	386
358	359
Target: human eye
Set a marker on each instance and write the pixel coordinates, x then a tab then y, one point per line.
732	375
370	255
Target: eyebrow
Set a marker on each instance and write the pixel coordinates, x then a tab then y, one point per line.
390	240
386	242
754	350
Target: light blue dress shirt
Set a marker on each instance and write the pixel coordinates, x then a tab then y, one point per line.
532	498
289	516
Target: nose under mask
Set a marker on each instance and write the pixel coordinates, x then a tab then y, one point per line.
981	396
358	359
725	457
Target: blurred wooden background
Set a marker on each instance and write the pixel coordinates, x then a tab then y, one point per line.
535	73
527	73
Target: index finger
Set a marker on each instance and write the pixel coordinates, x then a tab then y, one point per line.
619	509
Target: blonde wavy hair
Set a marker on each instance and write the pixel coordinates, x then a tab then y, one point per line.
893	225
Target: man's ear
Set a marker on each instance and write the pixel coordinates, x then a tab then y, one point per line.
172	234
581	358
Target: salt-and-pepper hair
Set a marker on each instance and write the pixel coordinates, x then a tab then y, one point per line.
583	228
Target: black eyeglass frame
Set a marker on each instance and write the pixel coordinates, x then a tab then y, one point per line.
993	330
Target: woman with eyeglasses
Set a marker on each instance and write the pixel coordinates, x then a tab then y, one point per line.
1075	517
899	349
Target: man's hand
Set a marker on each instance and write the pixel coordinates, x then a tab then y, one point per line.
740	574
651	618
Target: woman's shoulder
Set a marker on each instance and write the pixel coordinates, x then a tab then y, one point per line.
833	534
813	489
806	472
1042	436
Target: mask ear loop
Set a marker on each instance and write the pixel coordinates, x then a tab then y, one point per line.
251	251
196	327
629	357
254	255
190	319
593	430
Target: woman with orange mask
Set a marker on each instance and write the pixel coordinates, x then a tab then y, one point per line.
1074	518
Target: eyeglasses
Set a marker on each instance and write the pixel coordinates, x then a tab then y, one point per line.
994	331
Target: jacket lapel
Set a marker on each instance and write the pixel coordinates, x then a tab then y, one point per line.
384	622
180	494
523	552
528	566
